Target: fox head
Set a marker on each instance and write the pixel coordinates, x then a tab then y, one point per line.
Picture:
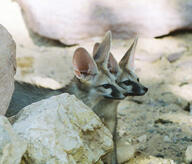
96	79
124	71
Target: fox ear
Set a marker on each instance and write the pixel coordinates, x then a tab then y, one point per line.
101	51
84	65
95	48
112	64
128	59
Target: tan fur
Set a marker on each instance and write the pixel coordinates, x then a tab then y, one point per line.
107	109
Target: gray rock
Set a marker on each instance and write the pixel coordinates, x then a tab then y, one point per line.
166	139
125	151
12	147
174	57
142	138
62	130
188	154
72	21
7	68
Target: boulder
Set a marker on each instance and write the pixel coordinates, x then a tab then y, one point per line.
72	21
12	147
7	68
62	130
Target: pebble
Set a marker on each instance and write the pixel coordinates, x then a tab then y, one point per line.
166	139
174	57
142	138
188	154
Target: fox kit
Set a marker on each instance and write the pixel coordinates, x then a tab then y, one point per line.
99	82
126	78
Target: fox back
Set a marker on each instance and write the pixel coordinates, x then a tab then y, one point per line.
90	84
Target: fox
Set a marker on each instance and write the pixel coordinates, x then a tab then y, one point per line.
124	72
126	78
99	81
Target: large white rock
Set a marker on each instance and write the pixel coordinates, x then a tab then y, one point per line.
7	68
72	21
12	147
62	130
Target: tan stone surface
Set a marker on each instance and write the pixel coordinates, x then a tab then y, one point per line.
12	147
62	130
7	68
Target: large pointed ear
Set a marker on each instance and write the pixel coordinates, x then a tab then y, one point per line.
102	51
112	64
128	59
95	48
84	66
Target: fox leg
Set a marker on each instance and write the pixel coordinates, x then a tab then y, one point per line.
111	122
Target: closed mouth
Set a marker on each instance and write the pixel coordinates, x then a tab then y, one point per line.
134	94
114	98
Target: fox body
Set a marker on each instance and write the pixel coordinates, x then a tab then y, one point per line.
124	75
100	82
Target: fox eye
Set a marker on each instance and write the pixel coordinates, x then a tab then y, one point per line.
106	86
138	79
128	82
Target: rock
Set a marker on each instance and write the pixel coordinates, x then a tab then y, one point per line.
166	139
12	147
94	18
142	138
150	160
174	57
188	154
7	68
62	130
125	151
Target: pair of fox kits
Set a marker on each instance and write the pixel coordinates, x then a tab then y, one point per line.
100	82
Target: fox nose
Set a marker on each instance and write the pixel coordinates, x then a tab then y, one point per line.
145	89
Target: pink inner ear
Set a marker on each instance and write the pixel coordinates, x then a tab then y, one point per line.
112	64
83	63
95	48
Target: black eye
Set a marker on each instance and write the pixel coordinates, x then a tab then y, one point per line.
128	82
138	79
106	86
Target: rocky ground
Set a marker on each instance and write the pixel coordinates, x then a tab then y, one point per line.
158	124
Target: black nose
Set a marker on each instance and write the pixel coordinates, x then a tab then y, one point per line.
145	89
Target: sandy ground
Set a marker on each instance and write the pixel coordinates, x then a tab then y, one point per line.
158	124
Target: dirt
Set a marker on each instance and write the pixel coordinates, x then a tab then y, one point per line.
159	124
